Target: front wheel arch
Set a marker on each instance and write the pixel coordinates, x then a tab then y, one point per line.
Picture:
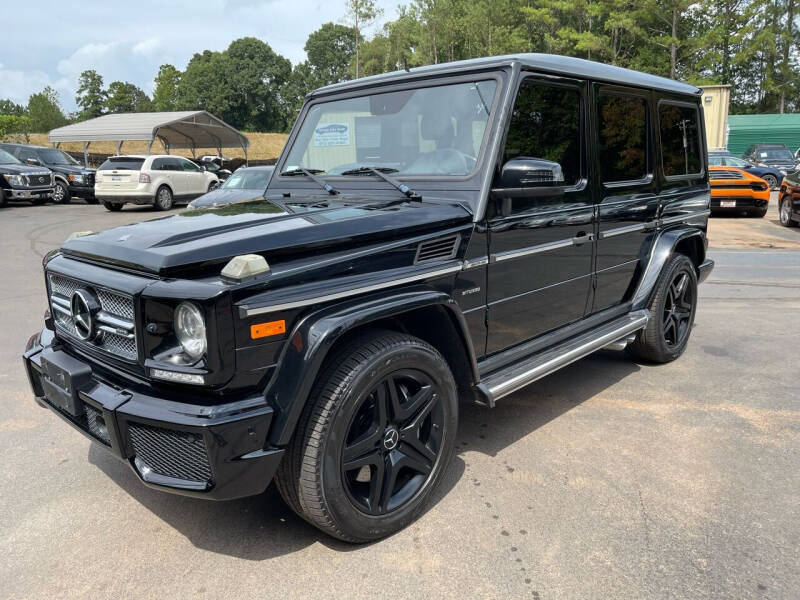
319	333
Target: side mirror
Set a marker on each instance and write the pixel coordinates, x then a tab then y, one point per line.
525	172
34	161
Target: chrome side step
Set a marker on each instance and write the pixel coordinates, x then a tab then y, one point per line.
516	376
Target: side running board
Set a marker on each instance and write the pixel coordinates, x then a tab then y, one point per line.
516	376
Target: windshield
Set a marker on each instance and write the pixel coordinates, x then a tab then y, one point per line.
426	131
7	159
735	162
255	179
774	154
57	157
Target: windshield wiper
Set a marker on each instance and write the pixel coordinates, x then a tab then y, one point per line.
382	173
311	174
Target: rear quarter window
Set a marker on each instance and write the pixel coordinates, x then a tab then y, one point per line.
680	139
122	164
622	129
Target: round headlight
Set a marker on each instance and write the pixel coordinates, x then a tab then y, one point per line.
190	328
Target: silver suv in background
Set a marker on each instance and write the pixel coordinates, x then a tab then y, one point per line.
160	180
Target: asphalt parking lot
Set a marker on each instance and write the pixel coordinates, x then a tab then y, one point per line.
606	480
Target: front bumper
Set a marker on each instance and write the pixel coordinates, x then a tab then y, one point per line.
217	452
81	191
30	194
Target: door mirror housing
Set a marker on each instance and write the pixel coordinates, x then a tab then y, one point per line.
525	172
34	161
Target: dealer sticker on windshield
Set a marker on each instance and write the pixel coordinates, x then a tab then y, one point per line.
332	134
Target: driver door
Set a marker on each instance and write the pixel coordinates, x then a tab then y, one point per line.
541	228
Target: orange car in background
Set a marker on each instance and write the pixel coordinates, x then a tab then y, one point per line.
735	190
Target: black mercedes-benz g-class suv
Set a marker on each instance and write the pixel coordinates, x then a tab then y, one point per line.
23	182
453	232
71	178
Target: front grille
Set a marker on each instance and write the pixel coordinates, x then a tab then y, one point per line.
39	179
170	453
725	174
115	324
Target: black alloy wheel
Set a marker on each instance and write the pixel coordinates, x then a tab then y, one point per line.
678	308
393	442
672	311
375	437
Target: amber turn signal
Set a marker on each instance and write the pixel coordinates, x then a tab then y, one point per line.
261	330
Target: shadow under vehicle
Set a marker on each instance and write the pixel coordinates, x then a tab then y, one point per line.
449	233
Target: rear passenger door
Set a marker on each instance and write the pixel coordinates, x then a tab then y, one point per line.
195	178
541	235
628	194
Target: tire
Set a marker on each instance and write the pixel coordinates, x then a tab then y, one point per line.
163	199
410	441
61	193
771	180
667	333
113	206
785	212
212	186
3	201
757	213
93	201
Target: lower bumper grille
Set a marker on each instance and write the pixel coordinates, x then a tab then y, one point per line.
170	453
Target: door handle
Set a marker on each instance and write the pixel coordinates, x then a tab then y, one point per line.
582	238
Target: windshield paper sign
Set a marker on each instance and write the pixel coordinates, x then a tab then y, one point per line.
332	134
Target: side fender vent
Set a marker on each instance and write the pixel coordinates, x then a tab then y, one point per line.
438	249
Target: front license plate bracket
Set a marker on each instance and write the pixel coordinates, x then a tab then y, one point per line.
62	378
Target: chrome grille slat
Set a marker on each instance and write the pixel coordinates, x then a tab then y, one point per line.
116	317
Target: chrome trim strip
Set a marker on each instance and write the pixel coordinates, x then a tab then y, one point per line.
475	262
114	321
249	312
621	230
517	382
115	331
679	218
511	254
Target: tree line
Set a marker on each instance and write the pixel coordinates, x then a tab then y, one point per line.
751	45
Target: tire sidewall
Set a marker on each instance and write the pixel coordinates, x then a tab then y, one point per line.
157	202
66	198
771	180
359	524
788	222
679	263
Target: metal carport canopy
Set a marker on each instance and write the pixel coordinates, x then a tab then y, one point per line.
184	129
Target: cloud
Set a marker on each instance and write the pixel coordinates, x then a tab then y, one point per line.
19	85
148	46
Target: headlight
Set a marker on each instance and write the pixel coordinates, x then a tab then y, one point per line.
190	329
18	180
77	178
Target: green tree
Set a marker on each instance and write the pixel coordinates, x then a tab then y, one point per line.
165	95
90	96
7	107
360	14
124	97
330	49
44	111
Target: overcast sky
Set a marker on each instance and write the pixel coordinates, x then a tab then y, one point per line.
49	42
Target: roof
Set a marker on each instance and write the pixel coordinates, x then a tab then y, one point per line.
546	63
25	145
183	129
761	121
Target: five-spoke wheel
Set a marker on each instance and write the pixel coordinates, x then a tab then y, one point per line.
374	439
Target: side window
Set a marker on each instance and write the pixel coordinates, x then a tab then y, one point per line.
716	161
189	166
26	153
680	139
546	125
158	164
171	164
622	124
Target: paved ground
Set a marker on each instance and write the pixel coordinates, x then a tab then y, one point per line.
606	480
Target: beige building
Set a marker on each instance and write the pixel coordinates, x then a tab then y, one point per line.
716	99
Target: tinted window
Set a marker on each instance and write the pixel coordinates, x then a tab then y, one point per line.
57	157
123	163
25	153
623	137
248	179
716	160
189	166
680	139
774	154
7	159
546	124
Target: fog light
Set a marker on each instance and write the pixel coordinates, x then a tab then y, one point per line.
177	377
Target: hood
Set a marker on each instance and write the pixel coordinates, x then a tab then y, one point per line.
222	196
71	169
279	230
22	169
781	164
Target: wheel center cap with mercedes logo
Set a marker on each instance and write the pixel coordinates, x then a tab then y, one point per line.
390	439
84	307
